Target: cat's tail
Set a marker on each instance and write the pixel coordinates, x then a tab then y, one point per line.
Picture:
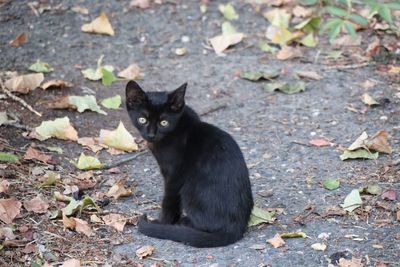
187	235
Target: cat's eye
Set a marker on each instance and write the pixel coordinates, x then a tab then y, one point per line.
164	123
142	120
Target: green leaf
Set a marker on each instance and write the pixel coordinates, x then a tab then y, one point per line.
92	74
335	30
358	154
257	75
40	66
35	264
331	184
308	2
350	29
259	216
308	40
50	181
86	102
228	28
335	11
372	189
87	163
112	102
352	201
293	235
108	77
332	23
7	157
393	5
384	12
359	19
309	25
228	11
75	206
265	47
287	88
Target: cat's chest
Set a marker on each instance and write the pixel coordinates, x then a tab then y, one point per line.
169	158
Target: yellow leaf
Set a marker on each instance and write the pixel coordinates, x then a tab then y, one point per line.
118	190
119	138
59	128
100	25
25	83
222	42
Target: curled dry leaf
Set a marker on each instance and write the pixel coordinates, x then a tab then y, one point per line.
398	212
95	219
319	142
69	223
24	83
145	251
118	190
59	128
309	75
318	246
288	52
32	153
132	72
119	138
369	100
20	39
379	142
55	84
276	241
100	25
4	186
117	221
221	42
37	205
354	262
352	201
83	227
9	209
92	143
80	9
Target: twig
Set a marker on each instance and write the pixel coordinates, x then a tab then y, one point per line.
20	100
353	66
17	125
119	162
213	109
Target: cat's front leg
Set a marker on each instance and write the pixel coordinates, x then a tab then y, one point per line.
170	209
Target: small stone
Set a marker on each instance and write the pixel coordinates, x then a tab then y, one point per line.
185	39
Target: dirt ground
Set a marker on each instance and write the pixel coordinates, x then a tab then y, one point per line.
273	130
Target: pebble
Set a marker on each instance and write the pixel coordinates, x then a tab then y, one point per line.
185	39
383	118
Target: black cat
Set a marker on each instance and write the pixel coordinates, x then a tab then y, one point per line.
207	193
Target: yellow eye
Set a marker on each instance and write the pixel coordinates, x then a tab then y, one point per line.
142	120
164	123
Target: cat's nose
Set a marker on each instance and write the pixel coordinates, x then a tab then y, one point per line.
151	136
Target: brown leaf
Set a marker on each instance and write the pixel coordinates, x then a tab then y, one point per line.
394	70
389	195
369	100
60	103
69	223
83	227
71	263
80	9
56	83
37	205
379	142
319	142
30	248
4	185
354	262
276	241
288	52
6	232
20	39
95	219
100	25
143	4
24	83
117	221
309	75
32	153
373	48
221	42
132	72
302	12
92	143
144	251
118	190
9	209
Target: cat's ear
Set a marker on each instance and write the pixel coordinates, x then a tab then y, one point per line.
177	98
134	95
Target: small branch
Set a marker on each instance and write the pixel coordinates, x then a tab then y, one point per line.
353	66
20	100
17	125
213	109
124	160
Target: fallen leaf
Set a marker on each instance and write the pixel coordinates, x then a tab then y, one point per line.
288	52
80	9
143	4
319	142
55	83
32	153
117	221
308	40
358	154
112	102
287	88
87	162
71	263
132	72
37	205
180	51
119	138
389	195
318	246
278	17
302	12
4	186
41	67
3	118
372	189
75	206
25	83
9	209
69	223
347	40
369	100
90	142
228	11
354	262
145	251
259	216
108	77
398	212
70	189
276	241
359	142
7	232
118	190
20	39
379	142
8	157
331	184
394	70
95	219
86	102
83	227
58	128
294	235
100	25
30	248
221	42
265	47
257	75
352	201
309	75
49	179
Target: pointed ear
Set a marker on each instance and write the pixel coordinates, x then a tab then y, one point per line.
177	98
134	95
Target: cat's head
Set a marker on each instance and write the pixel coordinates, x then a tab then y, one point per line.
154	114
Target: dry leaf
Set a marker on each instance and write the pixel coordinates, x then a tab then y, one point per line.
359	143
37	205
319	142
4	186
276	241
56	83
302	12
69	223
59	128
373	48
119	138
20	39
144	251
288	52
32	153
100	25
379	142
394	70
347	40
118	190
221	42
369	100
143	4
398	212
309	75
117	221
318	246
80	9
132	72
92	143
354	262
9	209
24	83
368	84
95	219
83	227
6	232
71	263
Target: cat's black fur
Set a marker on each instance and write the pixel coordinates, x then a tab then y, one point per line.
207	193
